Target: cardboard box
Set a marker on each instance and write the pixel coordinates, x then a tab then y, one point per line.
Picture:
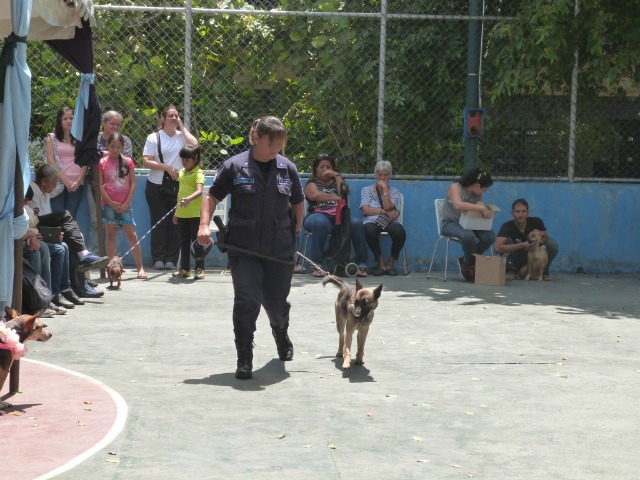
491	270
473	220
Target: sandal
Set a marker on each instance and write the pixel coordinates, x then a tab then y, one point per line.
318	273
142	276
361	273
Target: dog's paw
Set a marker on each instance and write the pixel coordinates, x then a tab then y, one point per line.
359	361
4	405
339	354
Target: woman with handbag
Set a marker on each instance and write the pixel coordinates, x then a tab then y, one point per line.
162	157
60	154
378	206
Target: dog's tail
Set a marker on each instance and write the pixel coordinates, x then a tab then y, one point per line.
332	279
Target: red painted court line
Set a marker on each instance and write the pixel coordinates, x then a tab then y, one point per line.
60	419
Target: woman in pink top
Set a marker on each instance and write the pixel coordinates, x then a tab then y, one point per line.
60	153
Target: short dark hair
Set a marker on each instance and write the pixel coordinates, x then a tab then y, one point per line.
476	175
319	158
191	151
519	201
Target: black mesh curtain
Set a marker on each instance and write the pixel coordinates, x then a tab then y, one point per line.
78	51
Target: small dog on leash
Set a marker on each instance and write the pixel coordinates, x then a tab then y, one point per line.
115	268
538	258
354	311
13	335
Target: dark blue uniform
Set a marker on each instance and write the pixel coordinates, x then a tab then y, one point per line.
259	220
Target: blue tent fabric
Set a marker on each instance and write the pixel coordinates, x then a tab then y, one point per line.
15	115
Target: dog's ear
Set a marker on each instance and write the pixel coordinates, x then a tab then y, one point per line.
29	323
11	313
358	285
377	292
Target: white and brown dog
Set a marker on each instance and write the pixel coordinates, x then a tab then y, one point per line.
354	311
13	335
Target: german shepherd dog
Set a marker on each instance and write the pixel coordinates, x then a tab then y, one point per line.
27	327
354	311
114	271
538	258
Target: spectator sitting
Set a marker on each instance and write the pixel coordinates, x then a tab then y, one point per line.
465	194
378	206
322	191
512	238
38	199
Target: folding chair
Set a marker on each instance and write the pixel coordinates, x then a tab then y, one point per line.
400	209
439	202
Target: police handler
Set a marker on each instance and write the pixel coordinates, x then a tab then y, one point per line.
265	190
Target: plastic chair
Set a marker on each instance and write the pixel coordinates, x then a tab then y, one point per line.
400	209
438	203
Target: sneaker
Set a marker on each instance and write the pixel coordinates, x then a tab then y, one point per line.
57	309
89	292
181	274
72	297
199	274
169	266
48	313
377	272
392	272
158	265
91	282
92	262
464	270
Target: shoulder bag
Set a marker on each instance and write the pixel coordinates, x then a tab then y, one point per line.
169	186
60	186
383	220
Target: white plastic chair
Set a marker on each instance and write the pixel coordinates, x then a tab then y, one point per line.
400	208
439	203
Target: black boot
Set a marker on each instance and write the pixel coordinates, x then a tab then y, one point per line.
244	347
284	345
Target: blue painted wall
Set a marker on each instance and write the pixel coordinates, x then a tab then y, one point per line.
595	224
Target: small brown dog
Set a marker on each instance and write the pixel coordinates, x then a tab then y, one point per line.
537	258
115	268
26	327
354	311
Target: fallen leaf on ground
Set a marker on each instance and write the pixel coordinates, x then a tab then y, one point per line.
423	461
454	465
471	474
417	439
281	435
332	446
113	460
308	446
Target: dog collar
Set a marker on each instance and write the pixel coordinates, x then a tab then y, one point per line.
9	340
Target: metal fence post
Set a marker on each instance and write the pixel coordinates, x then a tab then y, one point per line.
474	46
571	167
187	64
381	79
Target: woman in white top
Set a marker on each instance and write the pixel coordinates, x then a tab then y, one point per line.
172	134
60	153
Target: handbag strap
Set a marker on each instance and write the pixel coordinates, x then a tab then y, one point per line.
54	142
159	147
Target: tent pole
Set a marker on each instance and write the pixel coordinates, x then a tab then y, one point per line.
16	301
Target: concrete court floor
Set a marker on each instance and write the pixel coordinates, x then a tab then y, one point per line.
527	381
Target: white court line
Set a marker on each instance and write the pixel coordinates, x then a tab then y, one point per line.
116	428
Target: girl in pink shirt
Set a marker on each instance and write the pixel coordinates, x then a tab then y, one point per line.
117	186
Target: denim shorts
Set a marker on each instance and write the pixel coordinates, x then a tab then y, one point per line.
109	215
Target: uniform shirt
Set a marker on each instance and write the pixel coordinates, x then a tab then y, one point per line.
510	230
259	216
188	182
116	183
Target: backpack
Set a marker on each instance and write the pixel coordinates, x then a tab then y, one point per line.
36	294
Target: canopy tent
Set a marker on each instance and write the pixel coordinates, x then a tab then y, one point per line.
66	25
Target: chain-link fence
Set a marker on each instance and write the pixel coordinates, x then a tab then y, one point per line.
319	68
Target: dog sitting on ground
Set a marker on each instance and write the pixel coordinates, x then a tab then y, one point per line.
354	311
537	258
13	335
115	268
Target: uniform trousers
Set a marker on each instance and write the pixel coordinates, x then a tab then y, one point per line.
259	282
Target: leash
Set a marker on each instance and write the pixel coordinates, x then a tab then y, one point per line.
148	232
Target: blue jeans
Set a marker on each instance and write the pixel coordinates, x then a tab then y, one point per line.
473	241
59	253
69	201
320	225
40	261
